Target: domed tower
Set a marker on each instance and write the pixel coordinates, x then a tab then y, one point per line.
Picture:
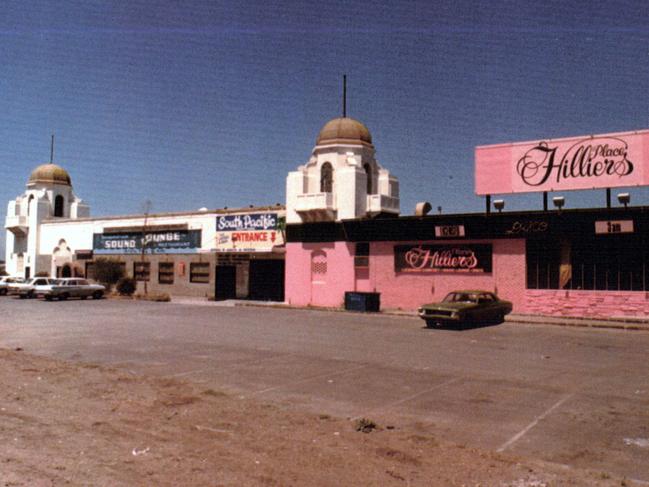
342	179
48	196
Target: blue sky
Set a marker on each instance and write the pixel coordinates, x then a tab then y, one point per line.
192	104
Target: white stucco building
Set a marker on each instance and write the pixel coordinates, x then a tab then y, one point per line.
48	197
342	179
236	253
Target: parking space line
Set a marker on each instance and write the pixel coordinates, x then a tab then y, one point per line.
525	430
410	398
307	379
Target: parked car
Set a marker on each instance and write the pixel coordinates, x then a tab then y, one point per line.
73	287
465	307
28	288
5	281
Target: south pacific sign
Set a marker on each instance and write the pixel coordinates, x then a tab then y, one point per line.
443	258
589	162
253	232
154	242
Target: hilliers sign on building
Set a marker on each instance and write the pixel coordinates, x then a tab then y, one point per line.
443	258
602	161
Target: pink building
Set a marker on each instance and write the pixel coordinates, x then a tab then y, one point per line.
591	263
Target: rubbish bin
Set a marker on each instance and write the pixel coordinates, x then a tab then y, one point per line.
355	301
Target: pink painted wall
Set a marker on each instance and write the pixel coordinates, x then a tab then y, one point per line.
586	162
398	289
320	289
595	304
409	290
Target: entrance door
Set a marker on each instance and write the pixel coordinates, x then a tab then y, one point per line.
225	282
267	280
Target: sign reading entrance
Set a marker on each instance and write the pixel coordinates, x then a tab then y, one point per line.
155	242
443	258
253	232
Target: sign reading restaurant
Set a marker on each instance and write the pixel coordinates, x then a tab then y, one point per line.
155	242
600	161
443	258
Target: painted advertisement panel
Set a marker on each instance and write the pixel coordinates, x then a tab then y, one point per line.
443	258
160	242
255	232
588	162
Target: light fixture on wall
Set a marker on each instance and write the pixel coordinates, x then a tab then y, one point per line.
422	208
624	198
559	201
499	205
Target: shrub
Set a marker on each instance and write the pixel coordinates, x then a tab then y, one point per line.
108	271
126	286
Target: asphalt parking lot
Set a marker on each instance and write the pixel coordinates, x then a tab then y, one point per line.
573	396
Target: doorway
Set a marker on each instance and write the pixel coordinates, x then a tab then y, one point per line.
225	282
266	280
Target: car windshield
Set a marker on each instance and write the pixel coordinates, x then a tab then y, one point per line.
460	298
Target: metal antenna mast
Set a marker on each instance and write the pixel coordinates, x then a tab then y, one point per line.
344	95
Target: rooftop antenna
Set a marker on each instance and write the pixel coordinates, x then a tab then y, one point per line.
344	95
52	150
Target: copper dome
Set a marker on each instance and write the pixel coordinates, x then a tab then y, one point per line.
344	130
49	174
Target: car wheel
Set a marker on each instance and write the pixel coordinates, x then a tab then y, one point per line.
22	296
3	292
97	295
48	298
64	296
31	295
83	297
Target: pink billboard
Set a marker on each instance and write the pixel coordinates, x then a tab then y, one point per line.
587	162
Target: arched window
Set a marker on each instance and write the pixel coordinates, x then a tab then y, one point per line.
29	203
326	178
58	206
368	173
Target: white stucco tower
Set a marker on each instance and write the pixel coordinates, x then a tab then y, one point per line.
48	196
342	179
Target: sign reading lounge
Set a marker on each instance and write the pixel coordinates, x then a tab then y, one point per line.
588	162
155	242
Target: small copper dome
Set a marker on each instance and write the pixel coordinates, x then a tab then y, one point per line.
344	130
49	174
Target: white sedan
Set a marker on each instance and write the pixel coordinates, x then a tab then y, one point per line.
73	287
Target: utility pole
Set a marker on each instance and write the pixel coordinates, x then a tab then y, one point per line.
147	208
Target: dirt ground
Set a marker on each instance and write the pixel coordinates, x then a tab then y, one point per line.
80	424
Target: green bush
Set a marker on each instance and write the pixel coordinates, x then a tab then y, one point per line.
126	286
108	271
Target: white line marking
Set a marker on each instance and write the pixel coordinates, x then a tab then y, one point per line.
410	398
522	433
307	379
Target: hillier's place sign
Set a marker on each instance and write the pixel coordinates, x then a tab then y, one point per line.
438	258
589	158
605	161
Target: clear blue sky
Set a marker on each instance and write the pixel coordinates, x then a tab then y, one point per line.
192	104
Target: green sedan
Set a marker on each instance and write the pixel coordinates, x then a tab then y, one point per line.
465	306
